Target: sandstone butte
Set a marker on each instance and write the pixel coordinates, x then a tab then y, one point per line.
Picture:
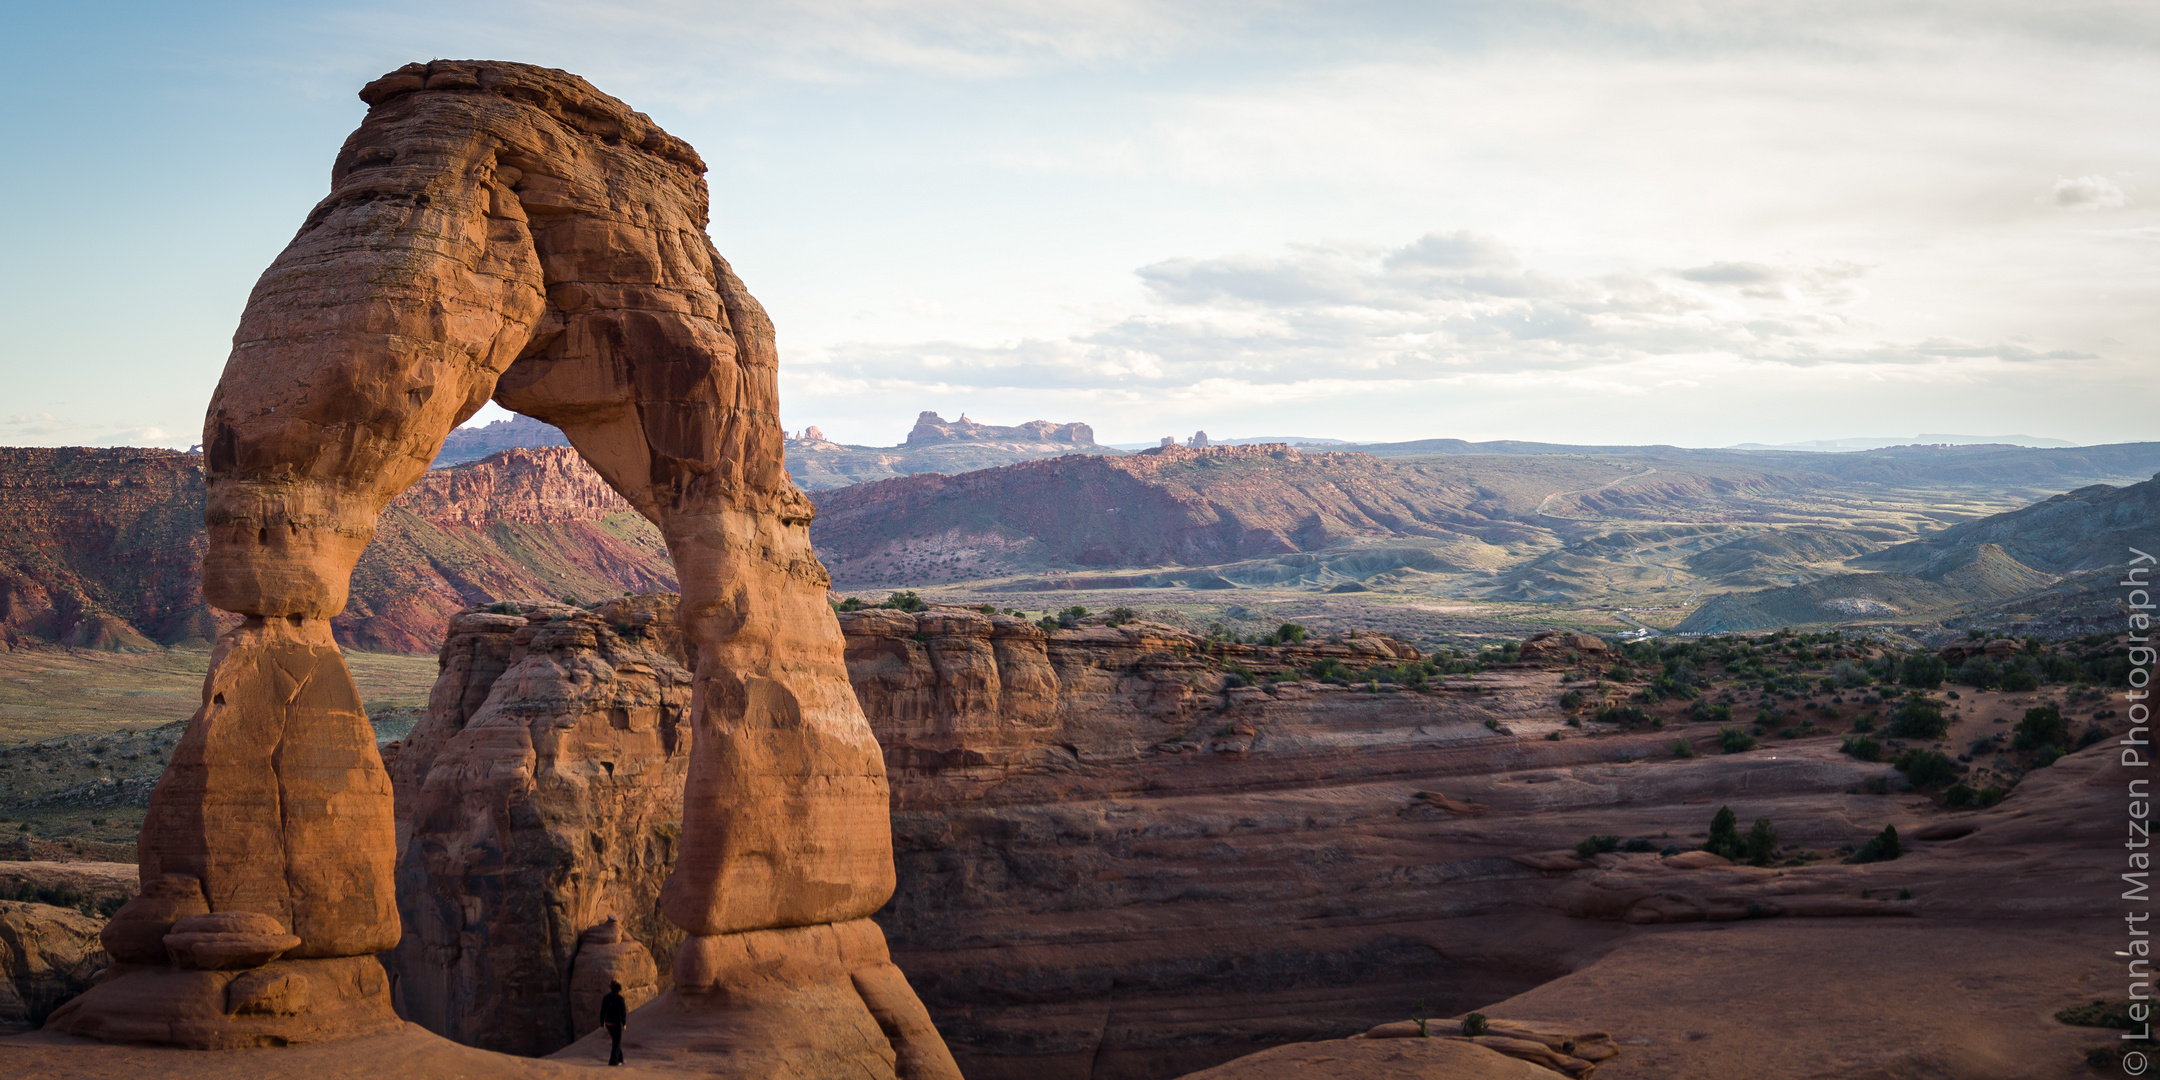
503	231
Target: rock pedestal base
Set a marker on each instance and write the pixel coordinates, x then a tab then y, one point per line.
278	1004
802	1003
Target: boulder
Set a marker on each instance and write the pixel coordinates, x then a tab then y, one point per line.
228	941
136	934
1554	647
47	955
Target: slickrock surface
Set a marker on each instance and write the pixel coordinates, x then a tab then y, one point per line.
1391	1059
1160	874
506	231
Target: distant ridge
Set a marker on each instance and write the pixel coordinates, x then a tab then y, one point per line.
472	444
1847	446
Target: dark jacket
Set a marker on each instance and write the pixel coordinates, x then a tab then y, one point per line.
613	1009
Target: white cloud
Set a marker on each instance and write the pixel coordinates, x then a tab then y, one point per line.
1438	309
2086	193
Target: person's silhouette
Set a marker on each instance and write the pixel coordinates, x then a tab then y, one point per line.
614	1013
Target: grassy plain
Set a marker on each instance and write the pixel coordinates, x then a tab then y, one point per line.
54	691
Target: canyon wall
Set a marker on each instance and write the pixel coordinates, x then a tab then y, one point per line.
1119	858
104	548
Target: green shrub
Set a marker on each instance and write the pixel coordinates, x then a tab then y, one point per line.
1919	717
1925	671
1703	710
1681	748
1960	794
1926	768
1861	748
1474	1025
1628	716
1761	842
1882	847
850	604
1119	616
2043	726
1572	700
1979	672
1596	845
1289	633
1864	724
2100	1014
1732	740
1724	834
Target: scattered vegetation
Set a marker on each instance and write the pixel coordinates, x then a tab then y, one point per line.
1761	845
1597	845
1724	839
1882	847
1926	768
1919	717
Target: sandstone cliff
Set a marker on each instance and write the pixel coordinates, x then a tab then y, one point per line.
101	548
104	548
1115	862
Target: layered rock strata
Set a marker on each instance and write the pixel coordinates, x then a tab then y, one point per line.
1115	863
499	230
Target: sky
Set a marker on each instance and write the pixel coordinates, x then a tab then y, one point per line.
1695	222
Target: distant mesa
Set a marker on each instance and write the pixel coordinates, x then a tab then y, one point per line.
472	444
931	429
1847	446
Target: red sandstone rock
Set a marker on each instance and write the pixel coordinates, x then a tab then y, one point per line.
605	955
227	941
136	933
499	230
47	955
1555	647
540	798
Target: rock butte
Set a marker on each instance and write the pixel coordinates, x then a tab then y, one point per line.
504	231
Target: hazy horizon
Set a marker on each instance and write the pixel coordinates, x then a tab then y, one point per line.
1662	223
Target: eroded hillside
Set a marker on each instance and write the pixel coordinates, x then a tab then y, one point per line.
104	548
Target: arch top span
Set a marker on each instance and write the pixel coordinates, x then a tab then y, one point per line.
504	231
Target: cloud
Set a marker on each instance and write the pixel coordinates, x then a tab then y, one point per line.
1445	306
2086	193
1459	250
1732	273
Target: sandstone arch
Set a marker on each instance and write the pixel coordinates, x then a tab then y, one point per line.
503	231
